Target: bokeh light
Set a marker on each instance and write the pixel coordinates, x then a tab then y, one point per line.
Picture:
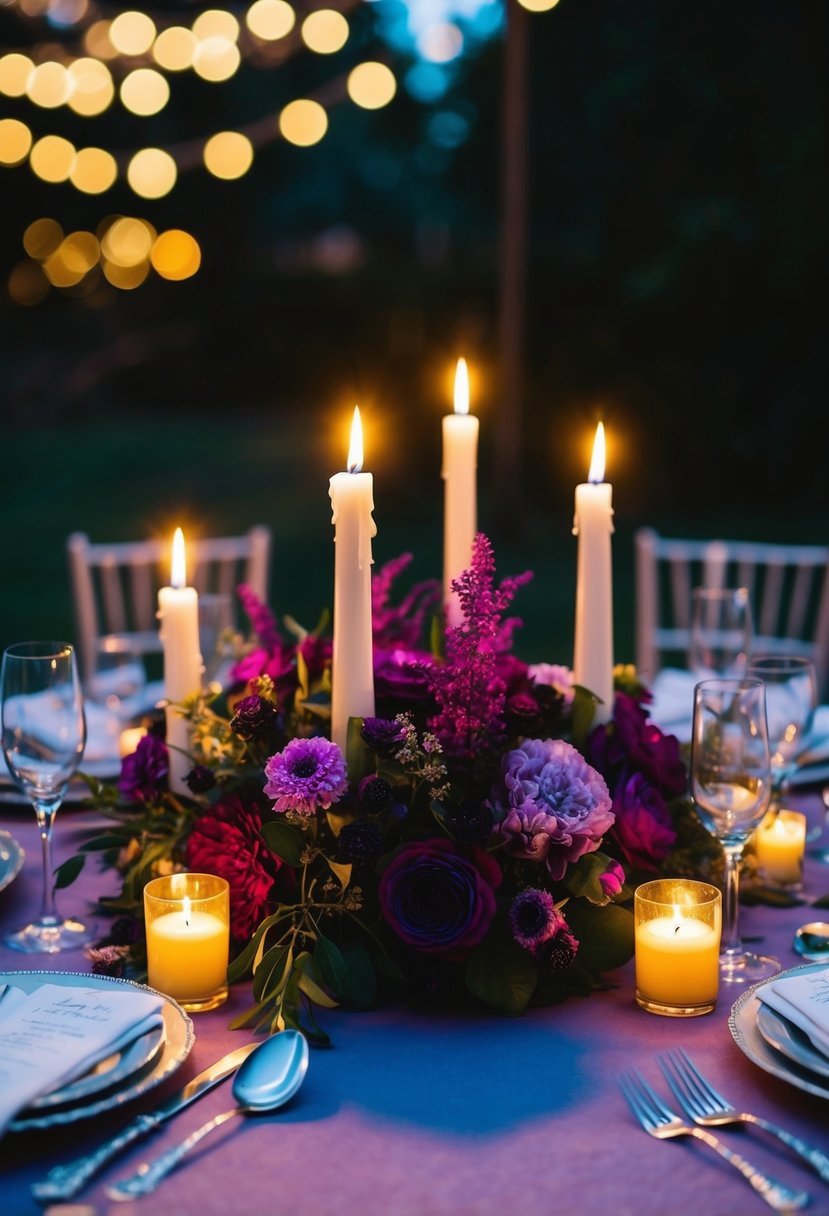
144	92
174	48
92	89
371	85
127	241
303	122
15	141
216	59
60	272
216	23
325	31
270	19
176	255
66	13
27	284
538	6
52	158
441	42
15	71
79	252
132	33
42	237
94	171
126	278
228	155
152	173
97	41
48	84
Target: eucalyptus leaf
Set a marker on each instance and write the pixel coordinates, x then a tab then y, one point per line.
66	873
341	871
331	964
273	967
605	935
284	841
502	975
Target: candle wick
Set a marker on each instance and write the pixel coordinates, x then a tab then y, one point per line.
676	929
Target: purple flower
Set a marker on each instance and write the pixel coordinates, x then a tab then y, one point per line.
553	675
108	960
308	774
254	718
643	825
383	735
359	841
200	779
144	773
401	679
558	951
533	917
631	743
438	900
523	714
550	805
613	879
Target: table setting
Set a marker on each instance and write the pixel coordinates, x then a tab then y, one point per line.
381	922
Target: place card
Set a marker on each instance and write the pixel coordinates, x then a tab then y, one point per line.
57	1033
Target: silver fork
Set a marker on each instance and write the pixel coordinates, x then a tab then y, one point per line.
699	1101
660	1121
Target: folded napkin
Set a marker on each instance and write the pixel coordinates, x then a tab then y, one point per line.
804	1000
55	1034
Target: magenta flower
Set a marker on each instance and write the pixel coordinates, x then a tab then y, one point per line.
550	805
553	675
613	879
643	827
631	743
438	900
308	774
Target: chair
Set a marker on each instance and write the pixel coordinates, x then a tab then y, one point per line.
115	587
788	586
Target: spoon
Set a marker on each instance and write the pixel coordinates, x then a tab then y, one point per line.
812	941
266	1079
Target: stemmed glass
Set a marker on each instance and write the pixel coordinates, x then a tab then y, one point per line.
44	734
731	786
721	631
791	701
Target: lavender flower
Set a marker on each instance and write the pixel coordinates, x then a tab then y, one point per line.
108	960
402	624
308	774
550	805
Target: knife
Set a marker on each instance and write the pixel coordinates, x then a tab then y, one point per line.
64	1181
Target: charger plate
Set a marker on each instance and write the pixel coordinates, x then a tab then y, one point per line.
179	1038
12	857
790	1041
743	1024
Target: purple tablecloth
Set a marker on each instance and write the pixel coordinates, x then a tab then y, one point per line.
452	1114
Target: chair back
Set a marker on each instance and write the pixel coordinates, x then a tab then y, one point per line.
788	586
115	586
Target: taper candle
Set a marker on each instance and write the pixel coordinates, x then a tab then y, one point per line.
178	612
460	456
352	665
593	525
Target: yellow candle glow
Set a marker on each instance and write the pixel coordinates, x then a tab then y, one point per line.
779	845
460	511
178	612
593	525
677	947
129	739
187	938
352	662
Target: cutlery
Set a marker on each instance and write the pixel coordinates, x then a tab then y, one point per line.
64	1181
660	1121
267	1079
699	1101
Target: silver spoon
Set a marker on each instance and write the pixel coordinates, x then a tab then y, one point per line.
266	1079
812	941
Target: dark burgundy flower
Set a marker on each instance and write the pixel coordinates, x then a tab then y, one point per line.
359	841
558	951
255	718
226	841
383	735
317	655
375	793
144	772
401	680
438	900
643	827
200	779
522	714
631	743
471	821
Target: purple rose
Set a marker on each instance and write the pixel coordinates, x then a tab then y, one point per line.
643	827
630	742
144	773
254	718
438	900
550	805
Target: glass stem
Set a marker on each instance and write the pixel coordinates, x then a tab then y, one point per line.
731	899
45	812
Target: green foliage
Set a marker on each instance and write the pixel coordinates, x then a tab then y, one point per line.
605	935
501	974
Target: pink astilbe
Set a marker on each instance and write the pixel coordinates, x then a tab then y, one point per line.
261	618
469	692
400	625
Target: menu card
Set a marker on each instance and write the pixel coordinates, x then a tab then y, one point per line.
57	1033
803	999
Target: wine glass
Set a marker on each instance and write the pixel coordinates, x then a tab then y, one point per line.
721	631
118	681
791	701
731	787
44	734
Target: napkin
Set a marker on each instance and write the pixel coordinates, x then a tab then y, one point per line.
57	1033
672	707
804	1000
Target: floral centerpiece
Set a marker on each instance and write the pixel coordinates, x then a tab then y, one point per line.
479	838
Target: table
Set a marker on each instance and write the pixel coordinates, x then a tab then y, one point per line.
451	1114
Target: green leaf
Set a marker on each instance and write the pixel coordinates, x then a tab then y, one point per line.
331	965
66	873
110	841
341	872
250	1015
583	878
274	965
361	986
605	935
240	966
308	983
584	710
359	757
437	636
502	975
283	841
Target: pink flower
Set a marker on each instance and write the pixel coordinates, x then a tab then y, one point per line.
613	879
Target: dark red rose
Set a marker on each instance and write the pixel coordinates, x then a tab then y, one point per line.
631	743
643	827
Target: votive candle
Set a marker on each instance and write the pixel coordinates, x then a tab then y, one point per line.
187	919
677	942
779	844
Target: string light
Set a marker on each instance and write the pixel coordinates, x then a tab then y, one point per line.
144	92
270	20
174	49
303	122
94	171
371	85
91	87
15	141
52	158
152	173
176	255
15	71
228	155
325	31
132	33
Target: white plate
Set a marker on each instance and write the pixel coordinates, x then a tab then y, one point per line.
11	858
179	1039
742	1023
107	1073
790	1040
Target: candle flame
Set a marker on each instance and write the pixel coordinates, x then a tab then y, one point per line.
355	447
597	462
461	387
178	572
186	909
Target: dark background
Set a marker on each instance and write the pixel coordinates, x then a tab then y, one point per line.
676	288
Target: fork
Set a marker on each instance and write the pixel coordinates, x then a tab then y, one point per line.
660	1121
699	1101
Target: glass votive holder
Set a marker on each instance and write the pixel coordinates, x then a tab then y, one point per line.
187	921
779	844
678	923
